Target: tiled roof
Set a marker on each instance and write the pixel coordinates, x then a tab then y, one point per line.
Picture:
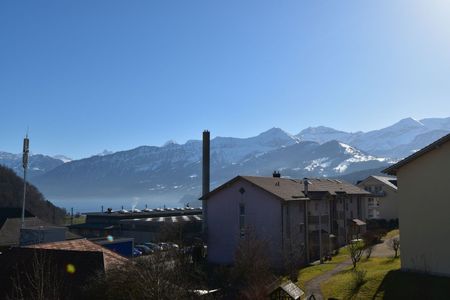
110	258
392	170
293	189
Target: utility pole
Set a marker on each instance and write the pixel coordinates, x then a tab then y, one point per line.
26	149
320	232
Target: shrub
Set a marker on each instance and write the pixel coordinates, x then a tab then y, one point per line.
357	281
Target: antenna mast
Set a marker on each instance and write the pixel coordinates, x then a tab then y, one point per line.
26	149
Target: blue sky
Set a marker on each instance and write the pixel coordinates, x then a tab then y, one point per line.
93	75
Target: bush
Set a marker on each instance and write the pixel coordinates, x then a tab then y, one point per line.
357	281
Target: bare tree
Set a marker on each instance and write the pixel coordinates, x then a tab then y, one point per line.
370	239
40	280
157	276
355	249
394	244
293	257
251	271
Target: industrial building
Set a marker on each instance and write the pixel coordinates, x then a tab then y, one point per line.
143	226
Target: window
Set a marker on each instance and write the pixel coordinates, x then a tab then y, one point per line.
242	219
316	206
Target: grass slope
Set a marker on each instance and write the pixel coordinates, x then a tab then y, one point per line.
384	280
310	272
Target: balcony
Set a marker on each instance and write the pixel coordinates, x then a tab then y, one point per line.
378	193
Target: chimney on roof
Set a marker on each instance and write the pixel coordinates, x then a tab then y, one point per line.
276	174
305	184
205	176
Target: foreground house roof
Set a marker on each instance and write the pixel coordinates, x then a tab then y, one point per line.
392	170
293	189
111	259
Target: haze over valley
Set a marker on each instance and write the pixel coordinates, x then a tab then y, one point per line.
171	174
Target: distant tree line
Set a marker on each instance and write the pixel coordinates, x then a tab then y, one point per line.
11	195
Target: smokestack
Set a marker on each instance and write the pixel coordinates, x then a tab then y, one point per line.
305	189
205	176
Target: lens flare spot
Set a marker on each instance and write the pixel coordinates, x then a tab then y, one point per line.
70	269
110	238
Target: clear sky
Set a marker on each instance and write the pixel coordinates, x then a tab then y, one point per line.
93	75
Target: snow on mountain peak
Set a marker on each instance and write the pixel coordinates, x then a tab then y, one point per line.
63	158
407	122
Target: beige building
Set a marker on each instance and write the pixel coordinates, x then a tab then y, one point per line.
424	208
383	202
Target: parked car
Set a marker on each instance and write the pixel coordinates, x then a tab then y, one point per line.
136	252
144	249
173	246
153	246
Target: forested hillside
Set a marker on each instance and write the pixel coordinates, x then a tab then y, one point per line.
11	195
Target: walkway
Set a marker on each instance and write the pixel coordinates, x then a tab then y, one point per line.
313	286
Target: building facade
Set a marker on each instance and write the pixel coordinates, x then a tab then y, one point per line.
305	219
383	201
424	205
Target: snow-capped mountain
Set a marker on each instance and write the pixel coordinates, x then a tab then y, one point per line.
395	141
38	164
176	169
173	170
62	157
322	134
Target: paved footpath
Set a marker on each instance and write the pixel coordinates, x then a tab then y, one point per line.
313	286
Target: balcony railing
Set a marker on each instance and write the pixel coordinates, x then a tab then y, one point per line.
378	193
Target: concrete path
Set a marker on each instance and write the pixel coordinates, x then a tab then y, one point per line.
383	249
313	286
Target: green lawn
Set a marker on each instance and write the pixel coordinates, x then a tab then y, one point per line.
313	271
391	234
384	280
76	220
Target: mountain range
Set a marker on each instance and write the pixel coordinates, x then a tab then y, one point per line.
172	172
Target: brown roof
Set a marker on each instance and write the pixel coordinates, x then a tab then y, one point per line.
293	189
110	258
392	170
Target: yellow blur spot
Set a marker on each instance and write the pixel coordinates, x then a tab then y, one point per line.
70	269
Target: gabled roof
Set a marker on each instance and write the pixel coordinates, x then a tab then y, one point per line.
389	181
392	170
111	259
293	189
